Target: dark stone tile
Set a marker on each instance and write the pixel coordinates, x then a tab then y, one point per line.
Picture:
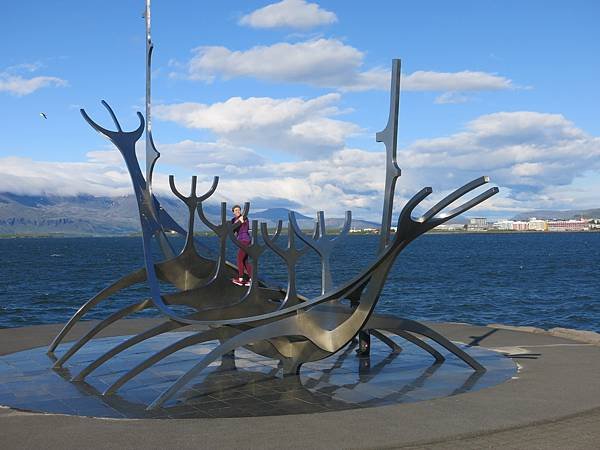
253	388
228	394
205	403
270	396
227	411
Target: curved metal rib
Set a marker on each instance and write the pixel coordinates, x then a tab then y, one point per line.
239	340
112	115
423	330
419	343
101	326
124	282
115	136
465	207
96	126
458	193
154	331
386	340
347	224
265	232
203	336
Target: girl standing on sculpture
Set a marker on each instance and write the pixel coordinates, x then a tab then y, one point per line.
240	228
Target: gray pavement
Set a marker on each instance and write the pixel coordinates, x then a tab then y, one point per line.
553	402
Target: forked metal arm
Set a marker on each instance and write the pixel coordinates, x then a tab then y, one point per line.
290	256
192	201
323	244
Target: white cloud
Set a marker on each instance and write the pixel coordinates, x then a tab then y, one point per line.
530	153
302	127
213	155
455	81
14	83
327	63
321	62
29	177
211	158
538	160
18	85
289	13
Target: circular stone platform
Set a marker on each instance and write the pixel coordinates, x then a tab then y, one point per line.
552	402
249	386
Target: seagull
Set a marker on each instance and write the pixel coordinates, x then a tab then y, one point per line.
43	115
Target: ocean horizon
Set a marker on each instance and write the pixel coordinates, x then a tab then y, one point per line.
543	280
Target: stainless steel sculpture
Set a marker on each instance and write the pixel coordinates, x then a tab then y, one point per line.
271	321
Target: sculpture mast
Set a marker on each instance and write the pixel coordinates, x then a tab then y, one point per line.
389	136
151	153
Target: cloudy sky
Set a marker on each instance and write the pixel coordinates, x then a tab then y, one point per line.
283	99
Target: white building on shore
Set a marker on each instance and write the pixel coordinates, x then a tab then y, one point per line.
534	224
568	225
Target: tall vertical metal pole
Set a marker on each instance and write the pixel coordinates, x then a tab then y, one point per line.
389	136
151	153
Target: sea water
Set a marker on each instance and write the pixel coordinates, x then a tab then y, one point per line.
535	279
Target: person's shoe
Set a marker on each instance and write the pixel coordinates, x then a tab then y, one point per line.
238	281
248	282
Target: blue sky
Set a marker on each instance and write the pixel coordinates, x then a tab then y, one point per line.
282	99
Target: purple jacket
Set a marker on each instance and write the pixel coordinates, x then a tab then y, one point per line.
241	230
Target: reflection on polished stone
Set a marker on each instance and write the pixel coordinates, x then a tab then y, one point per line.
248	385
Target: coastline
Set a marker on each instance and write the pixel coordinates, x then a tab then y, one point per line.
284	232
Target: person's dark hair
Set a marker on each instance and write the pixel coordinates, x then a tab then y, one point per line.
235	206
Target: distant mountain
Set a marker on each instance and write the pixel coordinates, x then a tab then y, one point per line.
275	214
88	215
78	215
272	215
356	223
550	214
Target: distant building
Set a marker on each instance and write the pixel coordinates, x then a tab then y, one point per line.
450	227
364	230
538	224
477	224
519	225
594	224
568	225
503	225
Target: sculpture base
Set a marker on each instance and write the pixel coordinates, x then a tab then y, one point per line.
248	385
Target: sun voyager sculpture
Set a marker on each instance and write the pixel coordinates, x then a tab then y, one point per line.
270	321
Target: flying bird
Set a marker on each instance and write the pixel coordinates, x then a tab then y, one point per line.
44	115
